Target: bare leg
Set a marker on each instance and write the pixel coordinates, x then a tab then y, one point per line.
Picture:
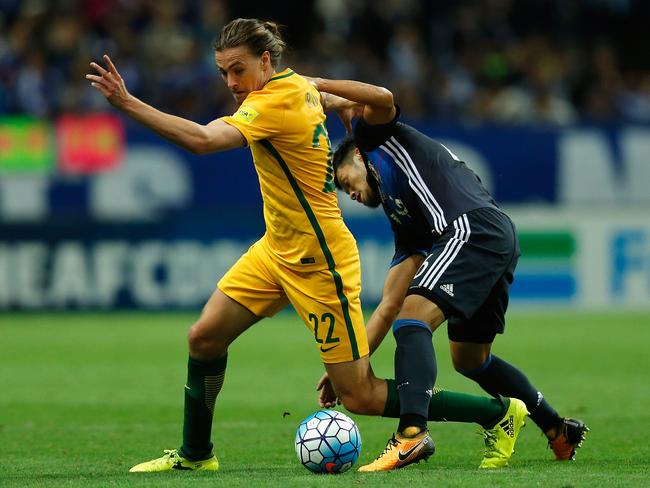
221	322
357	387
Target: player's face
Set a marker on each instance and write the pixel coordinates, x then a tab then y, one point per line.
356	182
242	71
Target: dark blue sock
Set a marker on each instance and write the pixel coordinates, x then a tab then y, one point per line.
415	371
499	377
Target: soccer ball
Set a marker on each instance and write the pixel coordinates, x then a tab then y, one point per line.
328	442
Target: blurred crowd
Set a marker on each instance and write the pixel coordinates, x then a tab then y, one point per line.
497	61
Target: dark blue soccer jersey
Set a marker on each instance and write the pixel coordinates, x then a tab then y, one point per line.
424	186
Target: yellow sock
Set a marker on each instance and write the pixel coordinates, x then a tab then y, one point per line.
411	431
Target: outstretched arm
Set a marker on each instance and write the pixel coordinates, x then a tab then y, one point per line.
379	107
196	138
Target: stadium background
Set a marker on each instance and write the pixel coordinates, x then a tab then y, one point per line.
547	100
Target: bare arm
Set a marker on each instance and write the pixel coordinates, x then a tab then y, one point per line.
197	138
345	109
397	281
379	107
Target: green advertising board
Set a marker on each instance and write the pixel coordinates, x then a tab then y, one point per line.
26	145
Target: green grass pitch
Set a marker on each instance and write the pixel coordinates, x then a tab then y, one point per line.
85	396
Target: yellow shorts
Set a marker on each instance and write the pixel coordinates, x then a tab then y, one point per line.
326	300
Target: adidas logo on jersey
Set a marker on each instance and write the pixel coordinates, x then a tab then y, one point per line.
448	289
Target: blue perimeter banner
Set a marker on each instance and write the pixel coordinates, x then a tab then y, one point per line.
160	231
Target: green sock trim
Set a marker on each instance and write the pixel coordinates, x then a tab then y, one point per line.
450	406
505	405
204	381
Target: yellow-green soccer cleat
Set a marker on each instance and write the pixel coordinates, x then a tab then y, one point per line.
172	461
500	439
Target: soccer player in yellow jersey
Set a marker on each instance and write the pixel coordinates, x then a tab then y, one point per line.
307	257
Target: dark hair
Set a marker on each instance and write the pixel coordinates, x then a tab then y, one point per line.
258	35
343	155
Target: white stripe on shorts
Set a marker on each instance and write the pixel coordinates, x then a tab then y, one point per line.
449	253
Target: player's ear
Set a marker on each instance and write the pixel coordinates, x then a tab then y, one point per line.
265	59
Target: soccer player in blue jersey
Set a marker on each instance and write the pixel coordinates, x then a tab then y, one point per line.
455	256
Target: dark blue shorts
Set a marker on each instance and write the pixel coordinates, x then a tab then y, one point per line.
468	274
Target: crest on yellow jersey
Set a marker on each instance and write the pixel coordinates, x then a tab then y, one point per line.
246	114
311	99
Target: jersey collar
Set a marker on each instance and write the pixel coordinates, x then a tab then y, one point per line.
282	74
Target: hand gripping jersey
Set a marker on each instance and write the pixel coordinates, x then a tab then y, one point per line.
284	125
424	186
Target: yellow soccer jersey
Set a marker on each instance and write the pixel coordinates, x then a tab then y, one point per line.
284	125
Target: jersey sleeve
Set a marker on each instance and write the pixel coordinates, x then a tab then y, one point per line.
369	137
261	116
